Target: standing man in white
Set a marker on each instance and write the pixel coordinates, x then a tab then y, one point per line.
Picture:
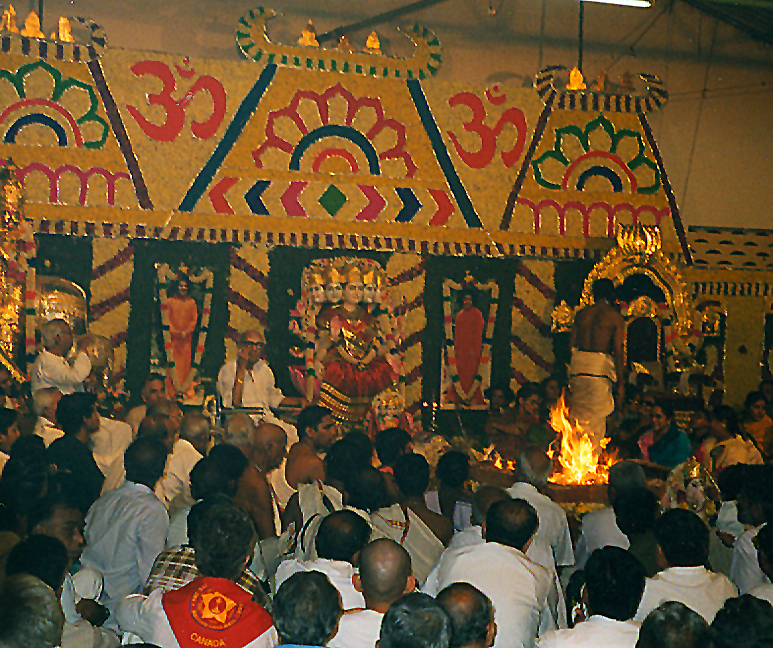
51	368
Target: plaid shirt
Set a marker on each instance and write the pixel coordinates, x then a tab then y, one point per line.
174	568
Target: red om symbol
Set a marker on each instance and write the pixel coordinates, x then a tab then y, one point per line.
488	136
172	126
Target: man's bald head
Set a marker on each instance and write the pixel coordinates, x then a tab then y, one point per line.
270	443
471	614
484	497
535	466
385	572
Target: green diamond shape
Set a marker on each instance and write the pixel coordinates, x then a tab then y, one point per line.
332	200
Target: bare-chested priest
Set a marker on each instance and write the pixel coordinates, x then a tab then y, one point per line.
598	360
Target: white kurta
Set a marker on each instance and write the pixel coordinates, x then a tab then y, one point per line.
51	370
418	540
599	529
177	477
357	629
553	525
517	587
699	589
339	572
745	569
596	632
109	443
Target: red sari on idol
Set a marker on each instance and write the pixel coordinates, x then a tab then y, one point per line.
353	373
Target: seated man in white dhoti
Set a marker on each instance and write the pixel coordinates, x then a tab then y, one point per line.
596	371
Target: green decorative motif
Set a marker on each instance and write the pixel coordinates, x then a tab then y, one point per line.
60	87
610	160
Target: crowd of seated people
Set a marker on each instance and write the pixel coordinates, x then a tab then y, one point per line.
156	533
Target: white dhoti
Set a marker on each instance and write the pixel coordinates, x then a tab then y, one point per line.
591	379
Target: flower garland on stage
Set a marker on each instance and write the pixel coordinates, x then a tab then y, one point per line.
165	275
482	375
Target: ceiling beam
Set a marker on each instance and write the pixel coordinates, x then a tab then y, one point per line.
335	34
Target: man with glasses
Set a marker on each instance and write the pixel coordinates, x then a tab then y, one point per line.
248	381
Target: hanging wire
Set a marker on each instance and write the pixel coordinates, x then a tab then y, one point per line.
580	35
700	111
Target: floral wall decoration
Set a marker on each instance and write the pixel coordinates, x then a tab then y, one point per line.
111	275
406	273
532	340
247	296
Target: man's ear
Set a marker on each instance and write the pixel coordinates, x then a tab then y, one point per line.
491	633
410	585
357	582
483	530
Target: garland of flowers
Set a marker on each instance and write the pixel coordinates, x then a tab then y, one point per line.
165	274
485	356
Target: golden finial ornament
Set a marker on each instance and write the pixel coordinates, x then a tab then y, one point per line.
8	21
309	36
63	34
576	81
373	44
32	27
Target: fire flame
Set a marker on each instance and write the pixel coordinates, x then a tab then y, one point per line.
580	462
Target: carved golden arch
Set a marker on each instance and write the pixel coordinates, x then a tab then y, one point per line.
639	251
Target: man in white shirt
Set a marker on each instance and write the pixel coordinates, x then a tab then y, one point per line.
248	381
212	610
755	509
340	539
683	540
599	528
195	436
126	528
51	368
614	582
152	391
499	568
535	467
764	545
44	402
471	614
109	443
384	576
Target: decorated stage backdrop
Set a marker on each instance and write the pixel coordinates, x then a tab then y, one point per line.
245	172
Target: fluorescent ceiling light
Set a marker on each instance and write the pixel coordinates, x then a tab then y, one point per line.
624	3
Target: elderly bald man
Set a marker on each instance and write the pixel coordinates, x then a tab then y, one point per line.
384	576
265	447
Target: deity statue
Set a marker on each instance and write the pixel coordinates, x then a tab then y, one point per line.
333	285
351	350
